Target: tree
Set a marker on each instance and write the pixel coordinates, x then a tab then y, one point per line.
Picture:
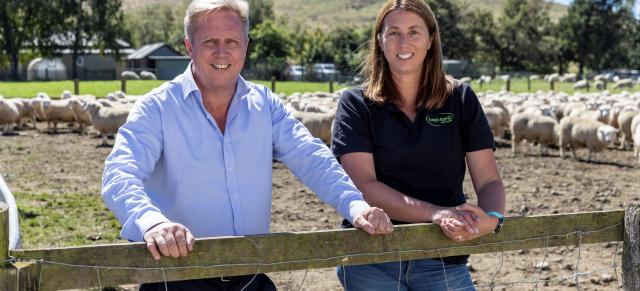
347	45
19	22
270	48
455	40
157	23
91	23
594	32
523	36
260	11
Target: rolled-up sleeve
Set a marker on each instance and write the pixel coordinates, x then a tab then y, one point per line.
312	162
137	148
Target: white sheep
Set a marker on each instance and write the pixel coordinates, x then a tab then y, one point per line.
636	136
582	84
624	83
82	116
106	120
624	124
466	80
579	132
533	128
568	78
534	77
129	75
318	124
9	114
56	111
27	111
144	75
498	119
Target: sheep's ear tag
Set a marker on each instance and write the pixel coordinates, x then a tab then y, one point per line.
440	119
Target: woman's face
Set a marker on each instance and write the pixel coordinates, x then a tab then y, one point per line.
405	41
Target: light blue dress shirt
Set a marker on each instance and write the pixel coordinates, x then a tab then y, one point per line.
171	162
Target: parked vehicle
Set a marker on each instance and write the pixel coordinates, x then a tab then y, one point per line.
295	72
325	71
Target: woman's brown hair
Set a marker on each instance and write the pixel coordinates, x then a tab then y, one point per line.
378	85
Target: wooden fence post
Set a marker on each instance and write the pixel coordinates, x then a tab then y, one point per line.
529	84
273	84
551	85
631	248
509	85
76	86
5	267
331	85
123	85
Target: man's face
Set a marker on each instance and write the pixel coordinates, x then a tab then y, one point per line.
218	47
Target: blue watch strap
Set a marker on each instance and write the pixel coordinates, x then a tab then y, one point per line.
496	214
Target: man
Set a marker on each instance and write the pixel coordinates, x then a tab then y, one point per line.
194	158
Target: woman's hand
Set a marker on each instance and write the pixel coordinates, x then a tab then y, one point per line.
485	224
456	222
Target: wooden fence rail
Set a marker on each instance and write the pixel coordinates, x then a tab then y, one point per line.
116	264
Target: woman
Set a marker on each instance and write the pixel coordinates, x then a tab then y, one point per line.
404	138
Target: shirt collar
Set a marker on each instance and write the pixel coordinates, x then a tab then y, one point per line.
189	84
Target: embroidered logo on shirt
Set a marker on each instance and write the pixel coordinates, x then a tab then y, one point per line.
439	119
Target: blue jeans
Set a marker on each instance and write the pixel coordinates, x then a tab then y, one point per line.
415	275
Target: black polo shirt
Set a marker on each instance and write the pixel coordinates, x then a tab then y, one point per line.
424	159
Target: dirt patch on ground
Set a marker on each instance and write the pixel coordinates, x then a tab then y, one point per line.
66	163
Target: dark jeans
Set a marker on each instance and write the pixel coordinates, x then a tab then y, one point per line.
261	282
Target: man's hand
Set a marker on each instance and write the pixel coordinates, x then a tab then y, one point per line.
458	223
169	239
373	221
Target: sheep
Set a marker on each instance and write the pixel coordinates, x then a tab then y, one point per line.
81	116
129	75
56	111
624	83
27	111
106	120
635	133
504	77
498	119
636	143
318	124
144	75
66	94
580	132
582	84
555	77
568	78
601	114
533	128
484	79
624	124
534	77
466	80
9	114
599	85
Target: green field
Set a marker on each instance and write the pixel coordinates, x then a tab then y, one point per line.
102	88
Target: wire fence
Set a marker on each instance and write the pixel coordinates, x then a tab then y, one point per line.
575	238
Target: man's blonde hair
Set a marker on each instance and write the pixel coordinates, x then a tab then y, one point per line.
201	7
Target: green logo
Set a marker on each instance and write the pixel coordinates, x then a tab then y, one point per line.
440	119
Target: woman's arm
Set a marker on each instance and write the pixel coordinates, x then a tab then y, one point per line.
398	206
490	190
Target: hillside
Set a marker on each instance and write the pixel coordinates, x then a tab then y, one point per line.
331	13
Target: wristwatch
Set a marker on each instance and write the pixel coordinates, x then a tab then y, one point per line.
500	220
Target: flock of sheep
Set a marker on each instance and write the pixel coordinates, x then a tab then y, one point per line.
594	121
599	82
106	115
